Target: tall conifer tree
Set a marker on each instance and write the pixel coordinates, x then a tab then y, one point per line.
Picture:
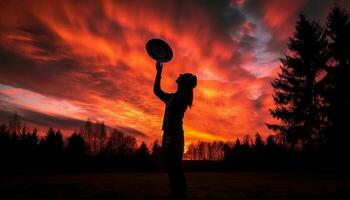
336	84
295	89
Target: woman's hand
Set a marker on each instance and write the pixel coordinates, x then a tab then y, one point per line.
159	66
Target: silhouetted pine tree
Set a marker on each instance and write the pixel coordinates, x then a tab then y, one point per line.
336	84
143	149
259	143
28	142
237	144
52	144
142	152
76	146
156	151
295	89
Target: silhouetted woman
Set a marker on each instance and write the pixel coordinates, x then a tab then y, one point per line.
173	134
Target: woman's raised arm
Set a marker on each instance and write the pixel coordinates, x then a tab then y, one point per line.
156	87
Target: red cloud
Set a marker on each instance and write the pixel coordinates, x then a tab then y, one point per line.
93	57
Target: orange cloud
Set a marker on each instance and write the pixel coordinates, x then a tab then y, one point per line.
92	57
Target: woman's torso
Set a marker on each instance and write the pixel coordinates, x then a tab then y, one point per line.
174	113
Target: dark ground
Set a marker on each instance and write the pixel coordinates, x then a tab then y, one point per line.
211	185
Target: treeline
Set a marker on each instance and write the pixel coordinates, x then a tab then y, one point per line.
312	91
92	145
253	149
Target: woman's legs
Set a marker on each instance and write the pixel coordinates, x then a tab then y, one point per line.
176	178
173	148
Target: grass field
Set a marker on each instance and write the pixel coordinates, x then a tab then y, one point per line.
108	186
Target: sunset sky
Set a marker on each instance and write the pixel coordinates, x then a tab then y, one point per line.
62	62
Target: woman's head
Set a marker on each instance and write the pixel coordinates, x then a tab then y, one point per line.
186	83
